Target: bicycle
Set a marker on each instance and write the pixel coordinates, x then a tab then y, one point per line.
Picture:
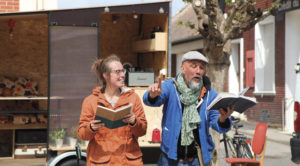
237	146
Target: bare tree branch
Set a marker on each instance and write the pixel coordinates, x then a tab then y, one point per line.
199	10
216	30
236	7
216	18
246	19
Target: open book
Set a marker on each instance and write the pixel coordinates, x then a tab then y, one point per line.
112	118
240	102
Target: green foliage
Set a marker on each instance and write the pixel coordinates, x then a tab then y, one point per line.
228	2
238	16
273	9
57	134
180	23
190	25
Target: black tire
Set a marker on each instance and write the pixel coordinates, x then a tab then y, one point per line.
72	162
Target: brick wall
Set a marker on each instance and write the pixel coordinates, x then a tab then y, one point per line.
7	6
264	4
271	103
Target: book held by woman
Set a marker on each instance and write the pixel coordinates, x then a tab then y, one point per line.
112	118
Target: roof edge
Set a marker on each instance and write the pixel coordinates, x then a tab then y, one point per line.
80	8
187	39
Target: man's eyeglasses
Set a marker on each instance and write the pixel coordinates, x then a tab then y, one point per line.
119	71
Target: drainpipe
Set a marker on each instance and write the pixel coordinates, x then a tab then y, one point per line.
283	113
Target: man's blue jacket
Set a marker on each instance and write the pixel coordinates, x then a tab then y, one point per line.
172	118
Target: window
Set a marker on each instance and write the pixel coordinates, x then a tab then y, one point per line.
265	57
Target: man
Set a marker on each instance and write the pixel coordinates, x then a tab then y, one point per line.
186	121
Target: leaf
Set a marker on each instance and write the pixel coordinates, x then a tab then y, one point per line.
180	23
228	2
57	134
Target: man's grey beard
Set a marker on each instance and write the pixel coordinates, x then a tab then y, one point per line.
194	85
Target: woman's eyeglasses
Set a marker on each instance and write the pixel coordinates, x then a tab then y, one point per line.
119	71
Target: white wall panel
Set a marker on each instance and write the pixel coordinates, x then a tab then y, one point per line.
292	51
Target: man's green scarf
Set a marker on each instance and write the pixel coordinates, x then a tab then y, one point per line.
190	117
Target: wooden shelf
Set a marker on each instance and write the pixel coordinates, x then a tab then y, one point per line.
24	112
66	148
29	98
159	43
24	98
23	126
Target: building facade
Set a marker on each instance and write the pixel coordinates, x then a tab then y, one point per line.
273	46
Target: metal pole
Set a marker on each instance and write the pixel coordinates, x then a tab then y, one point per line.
169	58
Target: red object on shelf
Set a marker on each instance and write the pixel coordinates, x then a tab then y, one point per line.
11	25
156	135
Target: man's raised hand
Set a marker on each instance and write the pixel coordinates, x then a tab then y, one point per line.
155	89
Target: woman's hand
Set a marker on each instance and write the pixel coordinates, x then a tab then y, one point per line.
130	118
224	114
95	125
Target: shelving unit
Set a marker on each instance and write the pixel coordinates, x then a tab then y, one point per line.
29	98
11	126
159	43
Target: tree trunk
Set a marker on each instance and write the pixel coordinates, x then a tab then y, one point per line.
218	64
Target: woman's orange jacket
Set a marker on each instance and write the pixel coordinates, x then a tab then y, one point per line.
112	146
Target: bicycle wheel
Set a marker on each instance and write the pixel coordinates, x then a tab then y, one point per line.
232	152
227	151
245	150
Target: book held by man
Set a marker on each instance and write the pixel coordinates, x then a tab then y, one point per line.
240	102
112	118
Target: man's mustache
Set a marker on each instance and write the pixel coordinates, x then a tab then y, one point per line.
197	76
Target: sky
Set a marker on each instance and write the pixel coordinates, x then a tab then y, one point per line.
63	4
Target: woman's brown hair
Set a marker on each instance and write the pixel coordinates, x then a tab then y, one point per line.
101	66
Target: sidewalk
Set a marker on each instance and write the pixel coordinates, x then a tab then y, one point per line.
273	134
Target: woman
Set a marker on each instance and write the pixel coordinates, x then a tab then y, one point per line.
117	146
